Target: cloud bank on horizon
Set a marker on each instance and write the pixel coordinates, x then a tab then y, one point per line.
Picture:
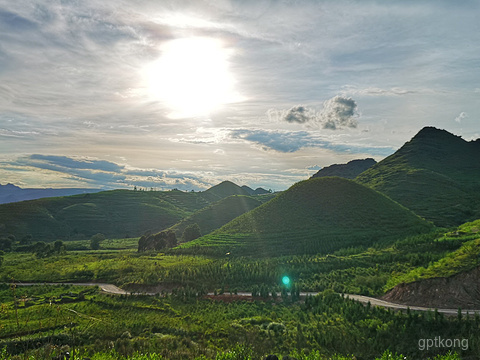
171	94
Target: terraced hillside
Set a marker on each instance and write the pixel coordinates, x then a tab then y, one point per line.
436	174
316	215
221	212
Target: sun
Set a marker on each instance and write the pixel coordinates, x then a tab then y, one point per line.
192	77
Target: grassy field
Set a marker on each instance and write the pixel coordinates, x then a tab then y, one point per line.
363	269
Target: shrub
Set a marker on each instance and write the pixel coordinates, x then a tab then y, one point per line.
95	241
191	232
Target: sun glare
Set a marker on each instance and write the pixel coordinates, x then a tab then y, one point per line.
192	77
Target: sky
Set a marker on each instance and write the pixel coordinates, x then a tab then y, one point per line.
185	94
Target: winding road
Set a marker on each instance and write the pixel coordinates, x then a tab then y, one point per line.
113	289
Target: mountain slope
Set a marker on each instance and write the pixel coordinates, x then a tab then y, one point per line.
224	189
316	215
349	170
219	213
436	174
452	281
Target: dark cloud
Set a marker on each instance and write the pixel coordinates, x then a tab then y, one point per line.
299	114
67	162
289	142
93	172
275	140
338	112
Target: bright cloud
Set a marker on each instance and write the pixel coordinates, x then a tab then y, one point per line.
460	117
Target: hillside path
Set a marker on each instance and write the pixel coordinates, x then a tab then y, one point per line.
113	289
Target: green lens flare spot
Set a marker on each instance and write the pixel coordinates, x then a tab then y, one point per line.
286	280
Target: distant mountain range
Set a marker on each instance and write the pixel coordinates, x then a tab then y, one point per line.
10	193
349	170
257	191
121	213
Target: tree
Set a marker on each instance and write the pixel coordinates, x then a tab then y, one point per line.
160	241
26	240
58	246
42	250
95	241
191	232
1	257
5	244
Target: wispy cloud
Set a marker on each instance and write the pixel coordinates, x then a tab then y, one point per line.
461	116
375	91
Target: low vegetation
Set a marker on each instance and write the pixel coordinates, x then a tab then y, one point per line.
186	325
44	321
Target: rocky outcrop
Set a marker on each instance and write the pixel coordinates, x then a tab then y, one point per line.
458	291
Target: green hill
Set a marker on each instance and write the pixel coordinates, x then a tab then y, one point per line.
316	215
436	175
224	189
117	213
219	213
